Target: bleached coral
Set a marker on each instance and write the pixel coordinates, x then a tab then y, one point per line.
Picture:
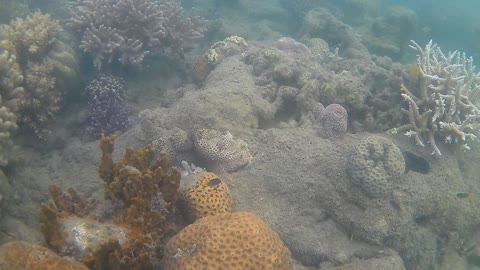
447	101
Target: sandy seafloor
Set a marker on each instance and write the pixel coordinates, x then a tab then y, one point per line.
297	182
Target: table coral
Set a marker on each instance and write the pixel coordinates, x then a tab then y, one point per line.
374	164
221	150
208	197
446	103
11	97
230	241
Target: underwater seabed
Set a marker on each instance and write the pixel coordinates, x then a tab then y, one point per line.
297	180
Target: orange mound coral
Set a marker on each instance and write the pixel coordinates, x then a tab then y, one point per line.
18	255
208	197
239	240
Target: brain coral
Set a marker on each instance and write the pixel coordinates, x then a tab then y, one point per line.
239	240
374	164
209	196
220	149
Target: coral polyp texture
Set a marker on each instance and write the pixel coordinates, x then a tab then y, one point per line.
146	27
11	97
208	197
374	164
221	150
231	241
445	103
47	64
107	112
19	255
334	119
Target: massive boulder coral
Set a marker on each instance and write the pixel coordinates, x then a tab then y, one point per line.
334	119
47	64
374	164
11	98
147	27
221	150
446	101
239	240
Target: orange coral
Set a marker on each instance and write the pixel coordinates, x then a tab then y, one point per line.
231	241
18	255
209	196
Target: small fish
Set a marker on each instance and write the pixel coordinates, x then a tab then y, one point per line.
463	195
214	182
414	70
426	29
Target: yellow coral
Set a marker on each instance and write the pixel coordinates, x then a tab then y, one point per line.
231	241
209	196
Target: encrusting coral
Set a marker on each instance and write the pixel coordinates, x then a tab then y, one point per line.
221	150
446	103
47	64
229	241
11	98
374	164
208	197
147	27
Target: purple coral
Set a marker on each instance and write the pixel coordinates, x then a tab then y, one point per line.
125	31
107	107
334	119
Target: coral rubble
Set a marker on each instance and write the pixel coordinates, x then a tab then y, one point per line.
147	27
107	112
239	240
446	101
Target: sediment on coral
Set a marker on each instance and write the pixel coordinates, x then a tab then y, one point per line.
445	101
147	27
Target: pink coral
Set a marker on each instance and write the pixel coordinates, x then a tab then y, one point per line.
333	118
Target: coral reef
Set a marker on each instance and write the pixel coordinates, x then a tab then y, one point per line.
11	98
47	64
374	164
208	197
18	255
239	240
221	150
334	119
107	112
445	103
147	27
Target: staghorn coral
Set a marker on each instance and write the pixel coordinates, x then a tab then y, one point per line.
208	197
48	65
239	240
107	107
334	119
447	101
374	164
11	98
19	255
221	150
147	27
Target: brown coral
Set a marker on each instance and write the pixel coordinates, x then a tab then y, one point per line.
221	150
239	240
334	119
18	255
208	197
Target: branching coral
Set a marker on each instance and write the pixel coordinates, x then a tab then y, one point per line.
107	107
447	100
45	62
11	97
145	27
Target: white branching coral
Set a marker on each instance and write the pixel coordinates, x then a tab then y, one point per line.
447	104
